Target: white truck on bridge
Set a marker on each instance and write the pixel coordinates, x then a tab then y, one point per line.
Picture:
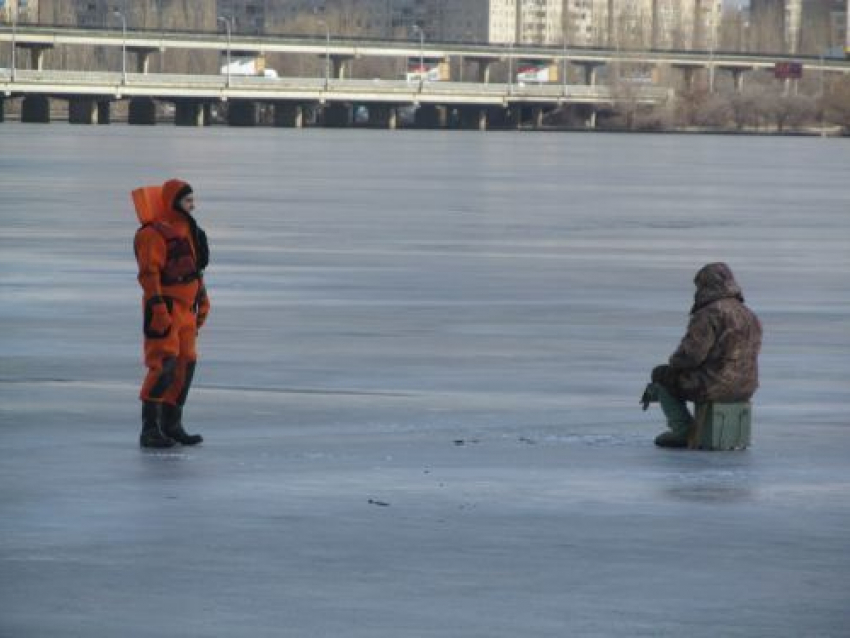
248	66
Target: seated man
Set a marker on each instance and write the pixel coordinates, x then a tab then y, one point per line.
717	359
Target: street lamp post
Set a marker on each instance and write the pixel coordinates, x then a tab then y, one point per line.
327	53
161	34
14	41
713	45
119	14
565	63
227	27
467	40
510	68
418	29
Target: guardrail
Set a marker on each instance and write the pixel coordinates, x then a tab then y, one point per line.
241	87
348	46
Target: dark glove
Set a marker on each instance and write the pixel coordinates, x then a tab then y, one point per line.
660	374
160	319
203	306
649	396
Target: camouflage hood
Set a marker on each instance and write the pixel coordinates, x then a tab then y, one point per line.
714	282
717	359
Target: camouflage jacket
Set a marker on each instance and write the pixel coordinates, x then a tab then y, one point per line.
717	359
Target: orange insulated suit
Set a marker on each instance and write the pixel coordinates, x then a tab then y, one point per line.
171	252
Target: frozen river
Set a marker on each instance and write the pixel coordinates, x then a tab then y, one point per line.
453	326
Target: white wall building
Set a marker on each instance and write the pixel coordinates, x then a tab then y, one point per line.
497	21
678	24
19	10
847	27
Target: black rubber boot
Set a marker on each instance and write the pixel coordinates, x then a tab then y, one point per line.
172	425
152	435
671	439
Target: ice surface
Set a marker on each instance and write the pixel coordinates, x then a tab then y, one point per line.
378	297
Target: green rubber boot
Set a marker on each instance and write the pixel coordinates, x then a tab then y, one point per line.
679	419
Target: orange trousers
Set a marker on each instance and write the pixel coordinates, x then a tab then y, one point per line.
171	358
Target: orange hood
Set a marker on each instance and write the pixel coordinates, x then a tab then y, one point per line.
148	203
154	203
172	191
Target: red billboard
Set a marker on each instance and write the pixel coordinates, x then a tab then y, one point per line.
788	70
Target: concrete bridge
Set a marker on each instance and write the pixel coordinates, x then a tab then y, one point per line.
479	104
142	44
473	105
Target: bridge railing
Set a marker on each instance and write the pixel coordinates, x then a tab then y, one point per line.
266	87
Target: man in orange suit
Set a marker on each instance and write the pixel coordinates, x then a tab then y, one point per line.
172	253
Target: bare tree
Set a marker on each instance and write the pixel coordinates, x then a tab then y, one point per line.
785	111
836	104
767	27
743	109
712	111
732	31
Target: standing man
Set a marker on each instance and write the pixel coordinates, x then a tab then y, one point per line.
172	253
717	359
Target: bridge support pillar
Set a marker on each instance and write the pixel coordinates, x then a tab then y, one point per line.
337	115
36	108
737	77
36	52
189	113
484	70
143	59
537	117
738	81
590	71
591	121
430	116
340	65
383	116
141	111
82	110
474	118
289	115
241	113
688	77
513	117
104	112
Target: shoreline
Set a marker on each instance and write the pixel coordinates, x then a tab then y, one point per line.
832	132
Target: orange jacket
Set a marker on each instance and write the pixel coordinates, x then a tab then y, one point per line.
156	211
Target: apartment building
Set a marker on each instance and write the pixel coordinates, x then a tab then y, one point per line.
22	11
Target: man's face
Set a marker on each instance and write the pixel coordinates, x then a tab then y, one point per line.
188	203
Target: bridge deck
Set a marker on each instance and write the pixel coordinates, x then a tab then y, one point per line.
347	47
166	86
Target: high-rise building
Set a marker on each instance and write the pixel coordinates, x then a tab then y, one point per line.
363	18
195	15
494	21
767	25
847	27
248	16
19	11
823	25
669	24
582	23
797	26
